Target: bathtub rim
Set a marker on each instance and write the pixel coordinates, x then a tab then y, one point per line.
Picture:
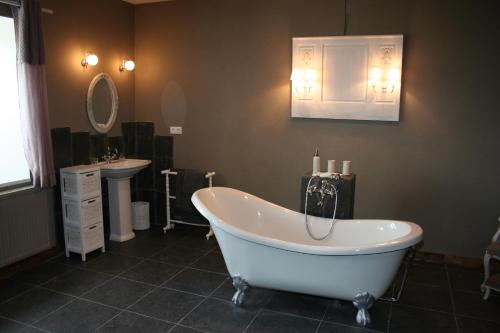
414	237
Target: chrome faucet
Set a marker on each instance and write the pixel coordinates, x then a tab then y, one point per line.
327	187
111	156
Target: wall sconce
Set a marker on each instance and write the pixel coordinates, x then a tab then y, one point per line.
128	65
303	82
90	60
384	80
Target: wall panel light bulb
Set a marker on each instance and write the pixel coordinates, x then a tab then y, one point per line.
303	82
394	74
384	81
376	74
128	65
311	75
297	75
90	60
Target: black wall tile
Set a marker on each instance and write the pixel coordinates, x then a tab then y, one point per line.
164	147
116	142
161	208
129	139
61	146
98	145
145	178
145	140
80	143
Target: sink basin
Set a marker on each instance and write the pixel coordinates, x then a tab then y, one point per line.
118	174
123	168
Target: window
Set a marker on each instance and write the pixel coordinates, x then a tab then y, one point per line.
13	166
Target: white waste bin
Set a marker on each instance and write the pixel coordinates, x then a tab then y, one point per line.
140	210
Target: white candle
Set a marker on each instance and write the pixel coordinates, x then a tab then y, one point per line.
346	167
331	166
316	165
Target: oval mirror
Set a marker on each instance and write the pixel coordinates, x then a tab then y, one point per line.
102	103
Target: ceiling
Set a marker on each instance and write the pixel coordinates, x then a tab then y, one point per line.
138	2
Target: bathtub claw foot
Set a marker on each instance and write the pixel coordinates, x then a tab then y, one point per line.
363	302
241	287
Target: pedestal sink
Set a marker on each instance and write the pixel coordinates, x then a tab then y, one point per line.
118	174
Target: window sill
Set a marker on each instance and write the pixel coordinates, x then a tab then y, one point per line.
13	192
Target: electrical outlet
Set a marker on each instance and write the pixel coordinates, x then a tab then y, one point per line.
175	130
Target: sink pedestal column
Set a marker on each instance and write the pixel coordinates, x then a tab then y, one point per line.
120	209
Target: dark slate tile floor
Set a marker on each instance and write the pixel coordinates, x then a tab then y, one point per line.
178	283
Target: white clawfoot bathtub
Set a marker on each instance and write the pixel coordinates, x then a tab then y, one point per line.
265	245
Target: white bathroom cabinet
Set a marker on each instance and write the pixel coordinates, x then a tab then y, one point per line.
82	209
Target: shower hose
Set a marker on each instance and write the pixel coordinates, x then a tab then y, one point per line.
333	218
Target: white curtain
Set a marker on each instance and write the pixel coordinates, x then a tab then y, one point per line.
33	93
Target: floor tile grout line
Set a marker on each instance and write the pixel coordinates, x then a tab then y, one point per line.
138	281
203	256
186	326
53	311
46	281
424	309
98	286
140	299
150	317
57	275
452	299
107	321
172	277
189	312
71	271
31	287
182	291
149	292
24	323
84	268
206	270
477	318
253	319
296	315
364	329
142	260
202	301
81	297
322	318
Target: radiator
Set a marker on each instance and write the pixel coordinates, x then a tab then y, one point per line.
26	224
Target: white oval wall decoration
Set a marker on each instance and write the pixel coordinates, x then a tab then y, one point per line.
102	127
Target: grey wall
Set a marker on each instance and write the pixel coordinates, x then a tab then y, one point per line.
437	166
104	27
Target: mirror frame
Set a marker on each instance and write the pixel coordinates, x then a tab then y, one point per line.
102	128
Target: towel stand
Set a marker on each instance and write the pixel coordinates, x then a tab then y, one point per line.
170	221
